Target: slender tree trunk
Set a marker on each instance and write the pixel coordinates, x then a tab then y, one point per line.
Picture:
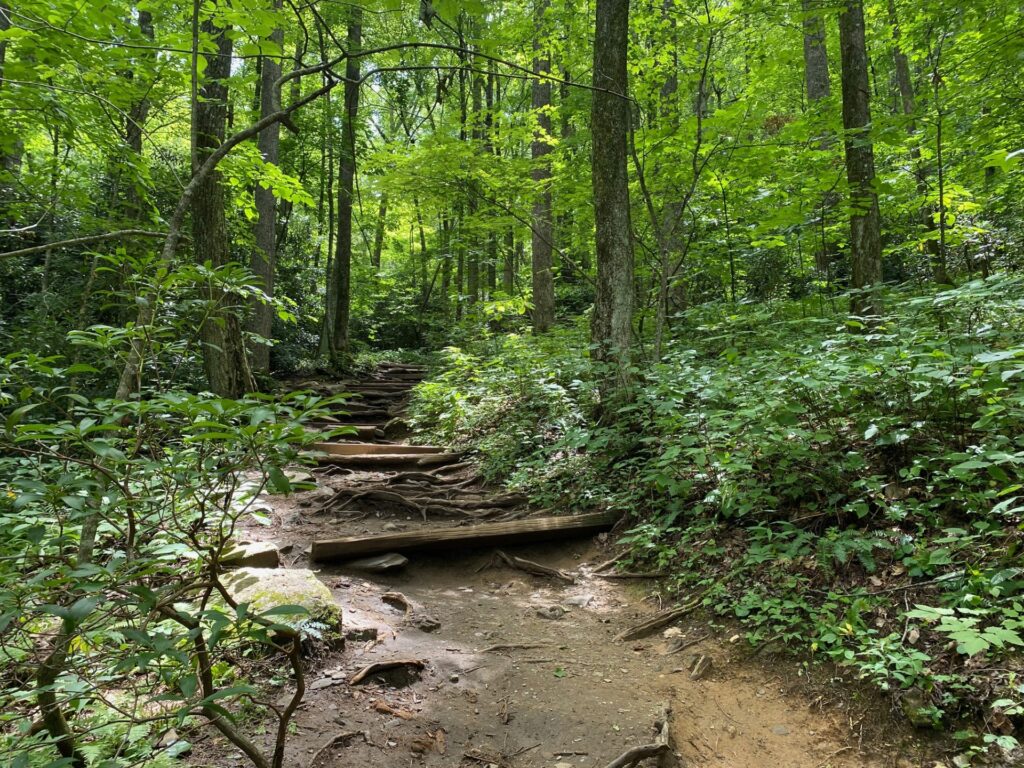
264	257
346	187
446	263
612	320
818	88
865	227
474	239
224	355
540	149
378	235
508	273
905	83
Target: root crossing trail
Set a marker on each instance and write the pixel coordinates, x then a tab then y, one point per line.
513	668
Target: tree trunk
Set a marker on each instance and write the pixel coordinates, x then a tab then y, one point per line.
612	320
815	54
342	282
378	235
224	356
264	257
936	254
865	228
540	149
508	273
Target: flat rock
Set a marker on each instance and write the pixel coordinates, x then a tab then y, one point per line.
266	588
252	554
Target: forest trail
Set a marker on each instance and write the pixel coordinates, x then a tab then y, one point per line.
520	670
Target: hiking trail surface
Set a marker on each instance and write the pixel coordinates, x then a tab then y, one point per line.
521	669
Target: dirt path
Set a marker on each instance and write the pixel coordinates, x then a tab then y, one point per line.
561	692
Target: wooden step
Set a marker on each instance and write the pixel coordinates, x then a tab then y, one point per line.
385	461
481	535
366	432
364	449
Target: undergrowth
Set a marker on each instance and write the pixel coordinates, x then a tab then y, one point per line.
861	484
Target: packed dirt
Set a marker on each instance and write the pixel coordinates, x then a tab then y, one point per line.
523	671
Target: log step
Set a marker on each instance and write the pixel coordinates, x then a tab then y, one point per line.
481	535
390	460
366	432
371	449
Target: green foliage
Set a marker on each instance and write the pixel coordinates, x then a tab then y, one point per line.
819	462
115	516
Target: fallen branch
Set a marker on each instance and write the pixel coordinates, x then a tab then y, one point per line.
383	666
513	647
658	621
121	233
661	748
341	738
633	756
531	567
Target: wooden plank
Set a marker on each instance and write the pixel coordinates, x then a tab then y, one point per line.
361	449
481	535
389	460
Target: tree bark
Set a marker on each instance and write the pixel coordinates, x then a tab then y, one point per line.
378	235
815	54
342	282
865	227
264	257
224	355
612	319
540	149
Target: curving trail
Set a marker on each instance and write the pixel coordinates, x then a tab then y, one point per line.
508	658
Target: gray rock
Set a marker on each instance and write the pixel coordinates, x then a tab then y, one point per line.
780	730
266	588
252	554
360	634
551	612
424	622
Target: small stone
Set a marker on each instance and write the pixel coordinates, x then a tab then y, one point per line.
780	730
389	527
671	632
551	612
379	563
579	601
424	622
360	634
323	682
453	678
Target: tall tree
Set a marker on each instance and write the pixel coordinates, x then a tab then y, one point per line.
905	83
819	87
224	354
264	256
342	278
865	227
540	149
611	324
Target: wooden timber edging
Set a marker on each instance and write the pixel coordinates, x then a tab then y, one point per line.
470	536
363	449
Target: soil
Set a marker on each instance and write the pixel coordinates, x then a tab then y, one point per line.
562	692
